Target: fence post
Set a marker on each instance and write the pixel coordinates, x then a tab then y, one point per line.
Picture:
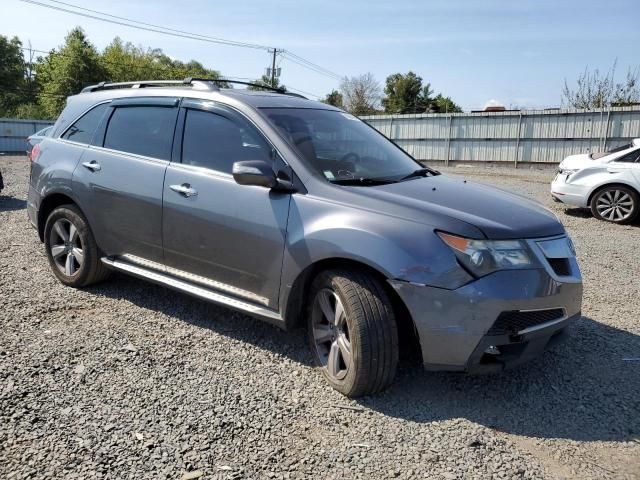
606	131
446	161
518	139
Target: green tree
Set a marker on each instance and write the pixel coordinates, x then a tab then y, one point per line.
406	94
66	71
266	81
334	98
124	62
12	75
442	104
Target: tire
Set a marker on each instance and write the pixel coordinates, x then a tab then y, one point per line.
358	353
72	251
616	204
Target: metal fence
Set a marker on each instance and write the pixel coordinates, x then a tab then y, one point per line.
14	133
540	136
535	136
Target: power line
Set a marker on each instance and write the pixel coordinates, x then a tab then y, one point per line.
164	31
216	39
127	22
312	65
291	59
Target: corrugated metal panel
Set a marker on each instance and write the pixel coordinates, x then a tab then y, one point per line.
14	133
526	136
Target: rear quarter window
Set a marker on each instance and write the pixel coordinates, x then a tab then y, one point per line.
82	130
142	130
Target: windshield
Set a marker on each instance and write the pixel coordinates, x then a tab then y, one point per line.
597	155
341	147
44	132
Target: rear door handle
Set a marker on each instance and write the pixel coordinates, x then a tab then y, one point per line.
92	165
184	189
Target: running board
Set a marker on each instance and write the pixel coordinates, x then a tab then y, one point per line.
195	290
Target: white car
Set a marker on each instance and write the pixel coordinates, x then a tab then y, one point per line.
608	183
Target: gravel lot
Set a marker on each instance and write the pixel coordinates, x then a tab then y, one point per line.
127	380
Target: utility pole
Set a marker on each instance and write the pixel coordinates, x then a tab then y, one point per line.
273	68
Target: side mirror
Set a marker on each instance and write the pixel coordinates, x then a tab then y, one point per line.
254	172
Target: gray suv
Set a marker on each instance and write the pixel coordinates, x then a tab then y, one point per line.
296	212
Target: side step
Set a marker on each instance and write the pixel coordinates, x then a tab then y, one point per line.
195	290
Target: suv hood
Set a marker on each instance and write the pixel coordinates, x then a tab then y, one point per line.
496	213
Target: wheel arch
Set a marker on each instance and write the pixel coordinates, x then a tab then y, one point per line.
617	183
48	204
297	304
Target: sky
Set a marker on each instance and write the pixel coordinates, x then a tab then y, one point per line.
509	52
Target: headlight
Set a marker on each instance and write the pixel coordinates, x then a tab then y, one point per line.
482	257
567	171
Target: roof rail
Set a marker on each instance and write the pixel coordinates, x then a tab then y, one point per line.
261	86
208	83
135	84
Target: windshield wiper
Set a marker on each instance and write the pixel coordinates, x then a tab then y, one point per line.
421	172
362	181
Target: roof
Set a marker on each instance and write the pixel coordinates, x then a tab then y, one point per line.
261	99
199	88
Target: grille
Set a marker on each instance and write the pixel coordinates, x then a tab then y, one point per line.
514	321
560	266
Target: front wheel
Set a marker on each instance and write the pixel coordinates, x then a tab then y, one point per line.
615	204
352	332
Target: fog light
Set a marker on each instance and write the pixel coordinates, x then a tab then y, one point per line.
492	350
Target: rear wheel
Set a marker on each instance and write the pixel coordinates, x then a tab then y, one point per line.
71	249
615	204
352	332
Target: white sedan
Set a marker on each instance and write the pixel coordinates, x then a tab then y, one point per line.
608	183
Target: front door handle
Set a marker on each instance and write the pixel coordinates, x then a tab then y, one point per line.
92	165
184	189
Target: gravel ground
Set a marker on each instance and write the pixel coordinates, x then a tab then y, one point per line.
127	380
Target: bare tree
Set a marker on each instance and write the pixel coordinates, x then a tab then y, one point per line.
628	92
596	90
361	95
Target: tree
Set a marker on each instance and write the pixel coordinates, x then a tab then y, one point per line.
75	64
596	90
628	92
12	75
334	98
125	62
361	95
65	72
405	94
442	104
266	81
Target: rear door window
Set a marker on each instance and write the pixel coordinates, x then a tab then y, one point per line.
214	141
142	130
82	130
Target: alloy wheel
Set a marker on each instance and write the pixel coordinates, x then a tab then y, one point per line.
331	334
66	247
615	205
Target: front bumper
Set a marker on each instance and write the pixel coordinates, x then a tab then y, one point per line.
457	327
570	194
